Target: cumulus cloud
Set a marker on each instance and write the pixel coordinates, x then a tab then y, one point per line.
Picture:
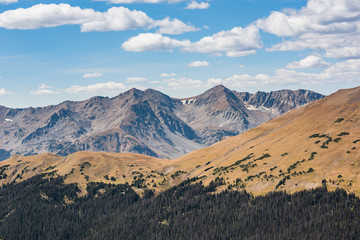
350	70
146	42
3	92
236	42
327	25
347	71
118	19
136	79
173	26
185	83
114	19
168	75
8	1
44	86
98	87
44	90
343	52
196	5
242	80
92	75
308	62
46	15
199	64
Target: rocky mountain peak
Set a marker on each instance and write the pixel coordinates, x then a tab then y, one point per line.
219	96
218	90
159	98
132	93
147	122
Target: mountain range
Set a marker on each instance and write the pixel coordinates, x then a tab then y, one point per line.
146	122
305	148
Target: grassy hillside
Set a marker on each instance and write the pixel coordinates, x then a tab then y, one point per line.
299	150
295	151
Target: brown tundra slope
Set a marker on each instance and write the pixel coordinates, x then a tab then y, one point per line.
304	148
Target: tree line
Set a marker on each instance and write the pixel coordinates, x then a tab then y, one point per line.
46	208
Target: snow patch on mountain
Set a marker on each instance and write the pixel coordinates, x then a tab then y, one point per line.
188	101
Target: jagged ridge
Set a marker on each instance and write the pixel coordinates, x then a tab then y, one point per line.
147	122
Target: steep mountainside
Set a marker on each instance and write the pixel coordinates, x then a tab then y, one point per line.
146	122
295	151
219	113
277	102
305	148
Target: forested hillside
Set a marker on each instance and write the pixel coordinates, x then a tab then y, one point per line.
41	208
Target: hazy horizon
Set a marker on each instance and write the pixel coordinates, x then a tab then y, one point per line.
55	51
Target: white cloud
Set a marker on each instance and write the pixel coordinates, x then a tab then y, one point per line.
8	1
199	64
5	92
43	92
44	89
196	5
118	19
44	86
332	26
344	52
173	26
99	87
243	80
114	19
308	62
185	83
347	71
236	42
136	79
46	15
168	75
92	75
145	42
350	70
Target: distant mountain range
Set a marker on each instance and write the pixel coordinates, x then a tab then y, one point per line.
147	122
308	147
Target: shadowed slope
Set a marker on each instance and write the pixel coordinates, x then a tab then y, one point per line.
295	151
146	122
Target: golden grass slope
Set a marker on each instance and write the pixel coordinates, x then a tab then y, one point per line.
292	152
83	167
287	141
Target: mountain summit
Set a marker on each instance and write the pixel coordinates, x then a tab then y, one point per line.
312	146
147	122
302	149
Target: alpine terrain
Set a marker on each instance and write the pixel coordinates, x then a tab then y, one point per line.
147	122
305	148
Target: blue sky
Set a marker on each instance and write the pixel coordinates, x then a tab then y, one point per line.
51	51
